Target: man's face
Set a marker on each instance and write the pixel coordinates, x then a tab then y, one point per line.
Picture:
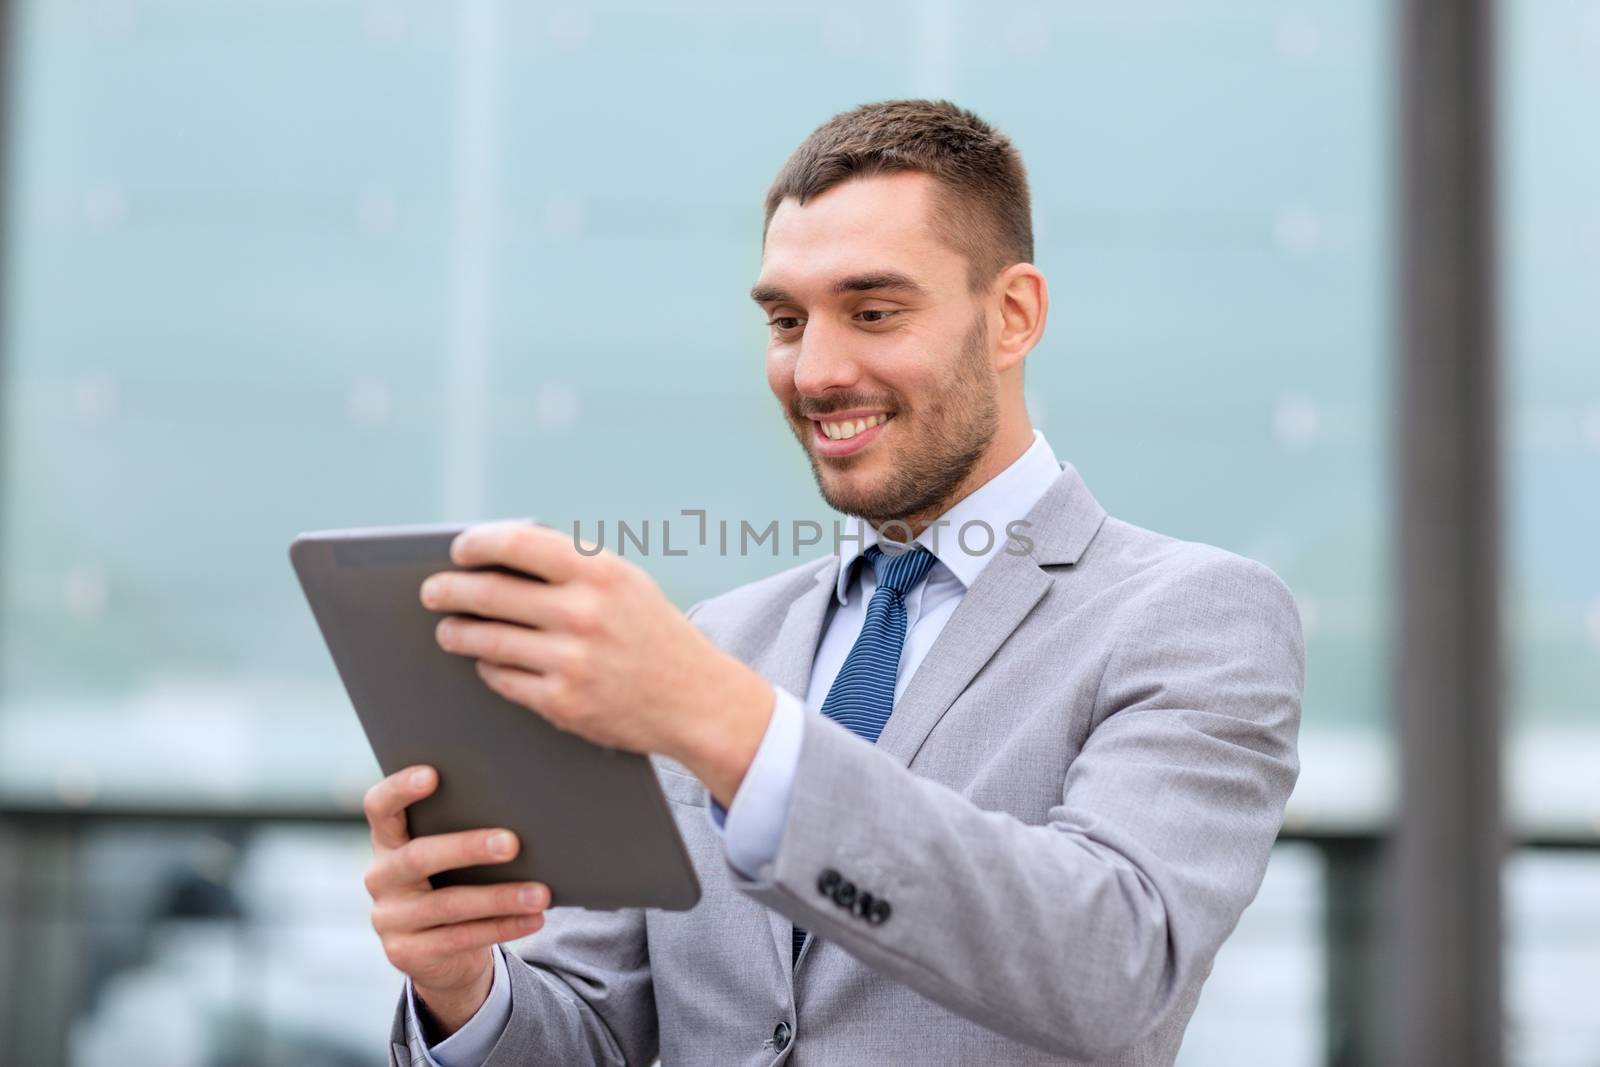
879	353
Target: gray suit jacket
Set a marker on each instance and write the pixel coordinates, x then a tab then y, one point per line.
1070	807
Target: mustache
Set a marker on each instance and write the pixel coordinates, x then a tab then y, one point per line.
806	411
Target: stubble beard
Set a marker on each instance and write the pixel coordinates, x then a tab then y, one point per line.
954	430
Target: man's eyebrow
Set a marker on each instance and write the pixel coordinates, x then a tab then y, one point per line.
889	280
770	294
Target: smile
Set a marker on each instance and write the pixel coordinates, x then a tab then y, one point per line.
847	432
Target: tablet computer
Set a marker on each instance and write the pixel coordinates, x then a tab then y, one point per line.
594	823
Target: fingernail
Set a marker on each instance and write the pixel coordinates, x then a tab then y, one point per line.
500	843
430	591
532	897
419	779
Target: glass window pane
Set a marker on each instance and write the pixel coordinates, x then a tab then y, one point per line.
1552	959
399	286
1550	279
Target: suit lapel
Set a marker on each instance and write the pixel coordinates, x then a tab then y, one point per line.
787	663
1003	594
1061	525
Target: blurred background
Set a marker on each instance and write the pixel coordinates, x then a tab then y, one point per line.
299	264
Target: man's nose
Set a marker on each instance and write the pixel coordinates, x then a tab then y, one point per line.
825	361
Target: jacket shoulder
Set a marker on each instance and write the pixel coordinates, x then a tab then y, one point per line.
750	613
1146	567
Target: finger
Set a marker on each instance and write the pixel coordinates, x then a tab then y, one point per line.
503	643
457	904
422	857
385	803
532	691
493	596
463	937
523	546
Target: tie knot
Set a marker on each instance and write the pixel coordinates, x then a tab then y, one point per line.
902	570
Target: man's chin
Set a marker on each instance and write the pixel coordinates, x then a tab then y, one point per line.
852	491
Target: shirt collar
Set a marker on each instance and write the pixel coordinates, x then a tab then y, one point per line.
1003	499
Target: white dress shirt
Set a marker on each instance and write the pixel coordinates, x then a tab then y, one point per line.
752	827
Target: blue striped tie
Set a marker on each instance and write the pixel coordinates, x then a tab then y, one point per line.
862	696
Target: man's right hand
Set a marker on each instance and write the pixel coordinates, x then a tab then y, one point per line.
442	938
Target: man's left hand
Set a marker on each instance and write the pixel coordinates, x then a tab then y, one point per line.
598	650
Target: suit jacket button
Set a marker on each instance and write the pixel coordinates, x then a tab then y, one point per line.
863	905
830	878
780	1036
844	894
879	913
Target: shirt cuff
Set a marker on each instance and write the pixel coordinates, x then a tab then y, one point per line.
469	1046
752	826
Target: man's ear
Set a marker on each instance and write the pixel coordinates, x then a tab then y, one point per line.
1023	300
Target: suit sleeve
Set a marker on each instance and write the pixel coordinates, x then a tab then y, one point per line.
580	994
470	1045
1076	936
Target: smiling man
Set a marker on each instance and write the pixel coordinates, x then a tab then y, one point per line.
953	797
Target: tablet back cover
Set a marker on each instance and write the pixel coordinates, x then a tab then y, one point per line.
593	821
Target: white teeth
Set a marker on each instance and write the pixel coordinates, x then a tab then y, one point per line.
841	431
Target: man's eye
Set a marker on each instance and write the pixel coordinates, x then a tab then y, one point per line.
784	323
875	314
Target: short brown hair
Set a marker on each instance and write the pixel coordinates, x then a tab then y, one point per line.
984	212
